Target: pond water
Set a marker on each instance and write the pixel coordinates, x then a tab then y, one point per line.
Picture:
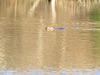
26	48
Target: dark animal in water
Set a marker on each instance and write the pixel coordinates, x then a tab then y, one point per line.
58	28
50	28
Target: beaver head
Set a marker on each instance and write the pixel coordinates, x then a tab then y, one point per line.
50	28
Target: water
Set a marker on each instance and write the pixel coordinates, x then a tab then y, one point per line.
26	48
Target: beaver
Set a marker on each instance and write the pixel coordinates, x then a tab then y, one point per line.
50	28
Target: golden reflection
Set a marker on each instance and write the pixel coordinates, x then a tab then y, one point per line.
16	7
40	45
64	52
2	52
28	44
34	6
53	11
75	50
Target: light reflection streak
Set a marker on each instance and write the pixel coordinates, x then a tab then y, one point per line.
40	44
2	51
15	8
32	9
53	11
64	49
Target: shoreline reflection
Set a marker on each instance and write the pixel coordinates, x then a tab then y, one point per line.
25	43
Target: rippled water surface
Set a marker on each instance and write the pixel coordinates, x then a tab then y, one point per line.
26	48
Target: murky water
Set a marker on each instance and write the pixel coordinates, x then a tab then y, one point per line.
26	48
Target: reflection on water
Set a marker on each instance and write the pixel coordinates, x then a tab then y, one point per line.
26	48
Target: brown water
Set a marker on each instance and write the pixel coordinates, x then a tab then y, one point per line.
26	48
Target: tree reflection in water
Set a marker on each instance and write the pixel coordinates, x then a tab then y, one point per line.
26	48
